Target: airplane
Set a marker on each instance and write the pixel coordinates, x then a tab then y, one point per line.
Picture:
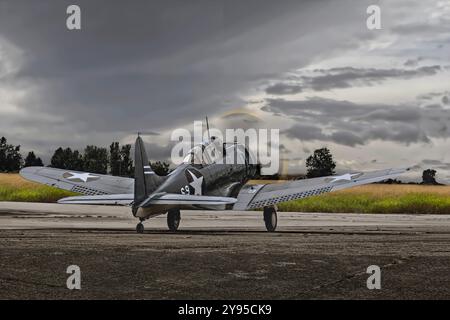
200	182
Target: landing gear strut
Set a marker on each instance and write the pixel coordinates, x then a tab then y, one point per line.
270	218
173	219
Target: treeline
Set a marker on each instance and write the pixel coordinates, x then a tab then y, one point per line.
116	161
11	159
95	159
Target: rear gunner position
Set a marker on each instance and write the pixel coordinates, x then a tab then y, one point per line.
213	176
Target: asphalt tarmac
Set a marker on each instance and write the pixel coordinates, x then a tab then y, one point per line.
220	255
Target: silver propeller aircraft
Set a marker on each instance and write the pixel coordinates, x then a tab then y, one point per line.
200	182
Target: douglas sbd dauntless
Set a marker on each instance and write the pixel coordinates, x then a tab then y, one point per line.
200	182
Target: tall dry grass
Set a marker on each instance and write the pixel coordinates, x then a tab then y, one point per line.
14	188
378	198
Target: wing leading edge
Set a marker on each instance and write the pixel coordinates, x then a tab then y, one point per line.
258	196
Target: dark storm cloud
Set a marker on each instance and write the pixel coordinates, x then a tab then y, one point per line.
352	124
158	152
412	62
349	76
422	28
155	65
307	132
346	138
436	164
436	97
241	116
281	88
338	78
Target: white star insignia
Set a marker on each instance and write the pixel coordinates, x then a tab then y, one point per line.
196	184
347	177
81	176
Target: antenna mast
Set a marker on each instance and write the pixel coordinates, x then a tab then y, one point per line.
207	128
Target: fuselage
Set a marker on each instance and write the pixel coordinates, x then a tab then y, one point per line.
207	179
215	179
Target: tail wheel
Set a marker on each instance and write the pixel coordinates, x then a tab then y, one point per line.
140	227
270	218
173	219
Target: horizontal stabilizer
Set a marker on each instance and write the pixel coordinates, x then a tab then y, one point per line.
110	199
186	199
162	199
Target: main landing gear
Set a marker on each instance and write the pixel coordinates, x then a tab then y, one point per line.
173	219
270	218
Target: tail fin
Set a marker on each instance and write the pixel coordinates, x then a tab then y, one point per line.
145	179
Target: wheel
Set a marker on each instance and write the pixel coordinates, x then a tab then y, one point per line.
270	218
173	219
140	228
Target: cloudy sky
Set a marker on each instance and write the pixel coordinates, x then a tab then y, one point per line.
376	98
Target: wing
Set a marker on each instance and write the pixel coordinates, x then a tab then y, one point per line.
156	199
258	196
81	182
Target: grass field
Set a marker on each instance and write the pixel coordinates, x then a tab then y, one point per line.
14	188
374	198
378	198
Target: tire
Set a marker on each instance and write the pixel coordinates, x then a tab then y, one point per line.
173	219
270	218
140	227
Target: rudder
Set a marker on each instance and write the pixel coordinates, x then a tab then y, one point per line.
145	179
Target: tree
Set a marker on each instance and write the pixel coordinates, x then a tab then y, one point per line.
120	162
429	176
32	161
10	157
67	159
161	168
390	181
57	159
95	159
3	147
114	159
126	163
39	162
320	164
76	161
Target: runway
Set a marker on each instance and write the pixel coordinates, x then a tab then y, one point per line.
220	255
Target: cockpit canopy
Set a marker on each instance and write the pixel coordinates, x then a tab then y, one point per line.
215	151
195	155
